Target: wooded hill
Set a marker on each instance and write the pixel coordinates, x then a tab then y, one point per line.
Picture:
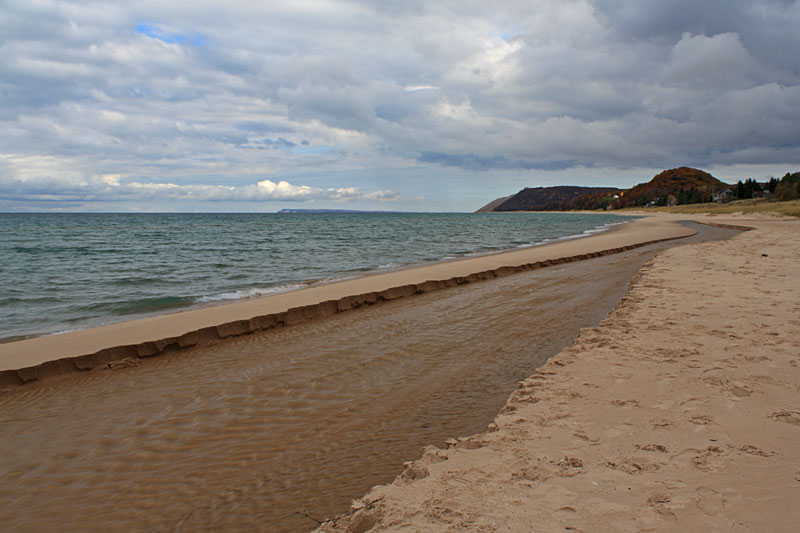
561	198
682	185
678	186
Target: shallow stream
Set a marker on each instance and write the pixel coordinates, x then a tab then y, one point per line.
271	431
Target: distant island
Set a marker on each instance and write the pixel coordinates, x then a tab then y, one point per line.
292	211
677	186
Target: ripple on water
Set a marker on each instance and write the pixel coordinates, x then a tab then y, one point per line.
246	434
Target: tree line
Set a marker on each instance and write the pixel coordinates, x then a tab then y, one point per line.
786	188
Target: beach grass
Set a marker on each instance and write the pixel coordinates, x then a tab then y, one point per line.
789	208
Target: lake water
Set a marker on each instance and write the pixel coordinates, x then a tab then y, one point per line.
62	272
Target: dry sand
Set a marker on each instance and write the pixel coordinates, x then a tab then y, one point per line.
116	343
679	412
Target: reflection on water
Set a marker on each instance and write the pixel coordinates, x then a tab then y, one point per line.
256	432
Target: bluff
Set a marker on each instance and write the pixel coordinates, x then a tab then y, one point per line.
560	198
488	208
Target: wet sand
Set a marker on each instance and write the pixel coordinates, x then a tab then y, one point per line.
97	347
679	412
263	431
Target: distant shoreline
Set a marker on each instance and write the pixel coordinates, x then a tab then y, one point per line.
291	211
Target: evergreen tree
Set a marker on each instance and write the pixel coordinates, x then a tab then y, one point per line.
772	184
789	187
739	190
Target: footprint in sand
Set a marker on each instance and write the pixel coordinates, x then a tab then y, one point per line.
621	377
652	448
658	497
709	502
701	420
789	417
715	381
569	466
691	404
739	390
756	358
752	450
709	460
583	436
661	423
566	513
658	501
536	474
633	465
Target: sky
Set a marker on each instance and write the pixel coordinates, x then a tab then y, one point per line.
416	105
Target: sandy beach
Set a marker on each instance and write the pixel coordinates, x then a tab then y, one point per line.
285	426
97	347
350	266
676	412
679	412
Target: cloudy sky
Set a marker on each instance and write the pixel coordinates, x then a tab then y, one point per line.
417	105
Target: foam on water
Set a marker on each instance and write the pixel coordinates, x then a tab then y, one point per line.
246	294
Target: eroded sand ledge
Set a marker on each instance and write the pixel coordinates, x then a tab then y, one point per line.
97	347
679	412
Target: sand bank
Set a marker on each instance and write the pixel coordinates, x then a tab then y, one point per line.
227	437
679	412
96	347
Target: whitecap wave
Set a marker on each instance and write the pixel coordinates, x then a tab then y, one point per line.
246	294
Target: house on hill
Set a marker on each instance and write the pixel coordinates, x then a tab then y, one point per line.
725	195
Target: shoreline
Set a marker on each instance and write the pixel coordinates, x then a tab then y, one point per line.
246	415
40	357
109	299
676	413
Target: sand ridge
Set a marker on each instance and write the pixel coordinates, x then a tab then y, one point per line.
679	412
124	343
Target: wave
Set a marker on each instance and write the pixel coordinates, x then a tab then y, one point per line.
246	294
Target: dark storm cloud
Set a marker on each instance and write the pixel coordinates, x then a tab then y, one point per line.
197	94
765	27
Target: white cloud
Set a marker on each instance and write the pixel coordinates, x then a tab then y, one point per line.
110	188
415	88
719	61
360	92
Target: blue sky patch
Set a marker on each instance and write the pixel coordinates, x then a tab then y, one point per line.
153	31
313	150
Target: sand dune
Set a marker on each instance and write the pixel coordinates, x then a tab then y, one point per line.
679	412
